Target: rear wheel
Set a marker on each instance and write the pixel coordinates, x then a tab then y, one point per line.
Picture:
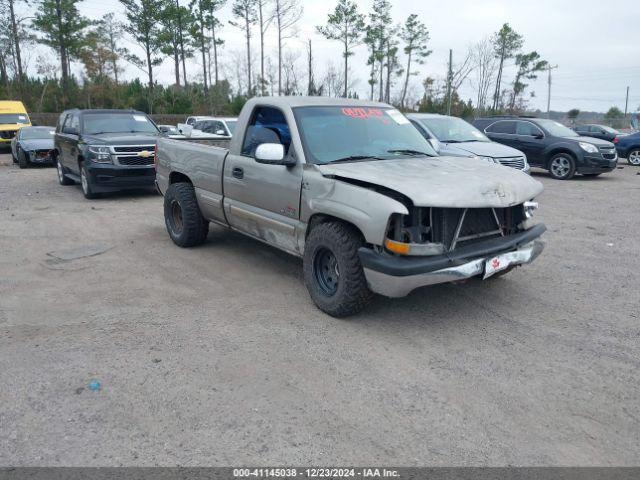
333	273
562	166
62	176
634	157
182	216
87	186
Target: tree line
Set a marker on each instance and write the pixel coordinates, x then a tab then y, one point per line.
175	32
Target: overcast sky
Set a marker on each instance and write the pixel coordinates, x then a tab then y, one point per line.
593	42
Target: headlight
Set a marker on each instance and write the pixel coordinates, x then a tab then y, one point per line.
100	154
588	147
529	208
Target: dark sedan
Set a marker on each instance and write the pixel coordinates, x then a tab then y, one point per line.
33	145
602	132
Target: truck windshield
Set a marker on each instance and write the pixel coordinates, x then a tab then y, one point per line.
337	133
13	118
453	130
95	124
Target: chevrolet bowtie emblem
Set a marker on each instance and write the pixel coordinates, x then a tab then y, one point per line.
145	154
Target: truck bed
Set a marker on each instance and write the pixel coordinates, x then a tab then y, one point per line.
202	163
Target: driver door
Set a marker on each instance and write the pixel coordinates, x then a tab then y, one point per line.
263	200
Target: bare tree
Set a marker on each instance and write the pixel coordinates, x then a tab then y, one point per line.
290	73
485	65
245	12
286	13
264	21
311	85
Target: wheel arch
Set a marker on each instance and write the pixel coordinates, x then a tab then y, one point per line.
556	150
179	177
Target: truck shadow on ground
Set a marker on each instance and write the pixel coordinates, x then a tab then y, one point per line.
427	305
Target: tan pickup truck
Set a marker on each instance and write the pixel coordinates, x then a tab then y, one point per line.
356	191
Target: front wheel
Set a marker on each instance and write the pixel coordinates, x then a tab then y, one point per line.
87	185
333	273
634	157
22	159
182	216
562	166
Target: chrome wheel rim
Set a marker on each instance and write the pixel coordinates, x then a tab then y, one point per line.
560	166
634	157
85	183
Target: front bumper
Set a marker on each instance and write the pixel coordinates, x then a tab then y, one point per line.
395	276
110	178
597	164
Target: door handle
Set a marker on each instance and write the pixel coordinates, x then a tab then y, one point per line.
237	172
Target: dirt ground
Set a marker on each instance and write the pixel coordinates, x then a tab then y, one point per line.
217	356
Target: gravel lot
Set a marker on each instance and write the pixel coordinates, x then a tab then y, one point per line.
216	355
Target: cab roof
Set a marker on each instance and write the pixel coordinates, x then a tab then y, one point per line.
295	101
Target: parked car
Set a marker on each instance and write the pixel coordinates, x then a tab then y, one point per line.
13	116
552	146
207	126
628	147
355	190
170	131
452	136
105	150
598	131
33	145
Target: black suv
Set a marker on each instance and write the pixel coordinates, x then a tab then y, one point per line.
105	150
552	146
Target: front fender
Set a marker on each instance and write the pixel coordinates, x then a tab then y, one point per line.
362	207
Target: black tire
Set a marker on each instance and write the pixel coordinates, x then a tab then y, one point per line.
633	157
62	174
22	159
182	216
13	157
347	292
562	166
86	184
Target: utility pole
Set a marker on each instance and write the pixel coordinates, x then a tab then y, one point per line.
626	104
549	68
449	80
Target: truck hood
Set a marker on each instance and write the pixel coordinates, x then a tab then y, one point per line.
121	139
37	144
482	149
447	182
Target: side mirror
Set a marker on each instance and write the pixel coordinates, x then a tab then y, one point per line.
71	131
435	144
270	153
538	136
220	132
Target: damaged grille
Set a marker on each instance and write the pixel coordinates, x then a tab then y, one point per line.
455	227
